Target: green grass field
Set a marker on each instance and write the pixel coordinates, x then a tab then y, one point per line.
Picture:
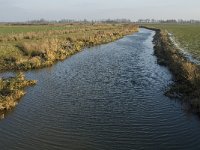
10	29
186	35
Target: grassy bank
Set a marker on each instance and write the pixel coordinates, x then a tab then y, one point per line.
11	90
30	47
186	74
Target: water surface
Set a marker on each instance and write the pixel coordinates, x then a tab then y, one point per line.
108	97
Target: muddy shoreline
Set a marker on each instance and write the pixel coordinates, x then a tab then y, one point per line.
186	74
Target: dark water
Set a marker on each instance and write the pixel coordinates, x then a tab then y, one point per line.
106	97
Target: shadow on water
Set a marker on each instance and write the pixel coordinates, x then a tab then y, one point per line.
106	97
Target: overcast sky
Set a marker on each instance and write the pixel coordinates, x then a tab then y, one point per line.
23	10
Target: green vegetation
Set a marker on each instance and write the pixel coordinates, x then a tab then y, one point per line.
35	46
11	90
15	29
186	35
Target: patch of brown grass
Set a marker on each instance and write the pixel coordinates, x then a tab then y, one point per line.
12	89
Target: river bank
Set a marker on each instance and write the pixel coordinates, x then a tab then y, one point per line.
35	50
186	73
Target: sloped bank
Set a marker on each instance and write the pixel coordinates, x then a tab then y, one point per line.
186	74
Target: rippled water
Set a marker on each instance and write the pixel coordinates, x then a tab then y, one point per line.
106	97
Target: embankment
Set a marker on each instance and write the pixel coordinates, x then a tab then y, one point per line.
186	74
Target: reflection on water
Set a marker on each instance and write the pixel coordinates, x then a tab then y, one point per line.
106	97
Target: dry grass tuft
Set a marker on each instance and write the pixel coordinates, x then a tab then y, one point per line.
12	89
